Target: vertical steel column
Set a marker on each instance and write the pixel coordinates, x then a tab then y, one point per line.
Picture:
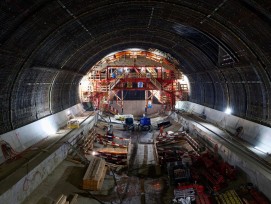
146	101
173	101
173	95
121	101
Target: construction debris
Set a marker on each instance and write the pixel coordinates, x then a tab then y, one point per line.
112	140
117	156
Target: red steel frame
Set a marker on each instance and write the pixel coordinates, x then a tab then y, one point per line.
153	78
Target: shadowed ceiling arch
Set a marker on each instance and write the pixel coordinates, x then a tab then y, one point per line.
47	46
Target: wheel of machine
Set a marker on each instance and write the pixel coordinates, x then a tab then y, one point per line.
146	127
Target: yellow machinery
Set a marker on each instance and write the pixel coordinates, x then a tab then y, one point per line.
72	124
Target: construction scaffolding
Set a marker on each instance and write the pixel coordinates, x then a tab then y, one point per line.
109	83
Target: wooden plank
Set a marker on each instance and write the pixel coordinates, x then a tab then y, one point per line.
59	198
72	160
74	199
62	200
102	179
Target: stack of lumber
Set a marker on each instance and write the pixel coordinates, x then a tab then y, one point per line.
87	145
94	176
110	150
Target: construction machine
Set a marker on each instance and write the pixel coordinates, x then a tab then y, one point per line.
129	124
145	123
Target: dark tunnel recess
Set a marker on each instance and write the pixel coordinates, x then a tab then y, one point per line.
47	46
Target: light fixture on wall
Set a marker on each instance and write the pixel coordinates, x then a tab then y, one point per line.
260	149
228	111
48	126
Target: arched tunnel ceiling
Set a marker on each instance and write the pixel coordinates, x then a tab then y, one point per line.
47	46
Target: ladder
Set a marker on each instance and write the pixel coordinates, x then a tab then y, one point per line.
164	98
113	84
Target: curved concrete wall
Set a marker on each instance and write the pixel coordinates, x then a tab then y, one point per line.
26	136
254	133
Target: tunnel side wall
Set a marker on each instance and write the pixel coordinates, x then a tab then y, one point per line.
254	133
26	136
25	186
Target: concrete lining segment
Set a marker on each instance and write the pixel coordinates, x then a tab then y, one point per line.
21	183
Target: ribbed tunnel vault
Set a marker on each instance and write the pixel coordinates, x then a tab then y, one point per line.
47	46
